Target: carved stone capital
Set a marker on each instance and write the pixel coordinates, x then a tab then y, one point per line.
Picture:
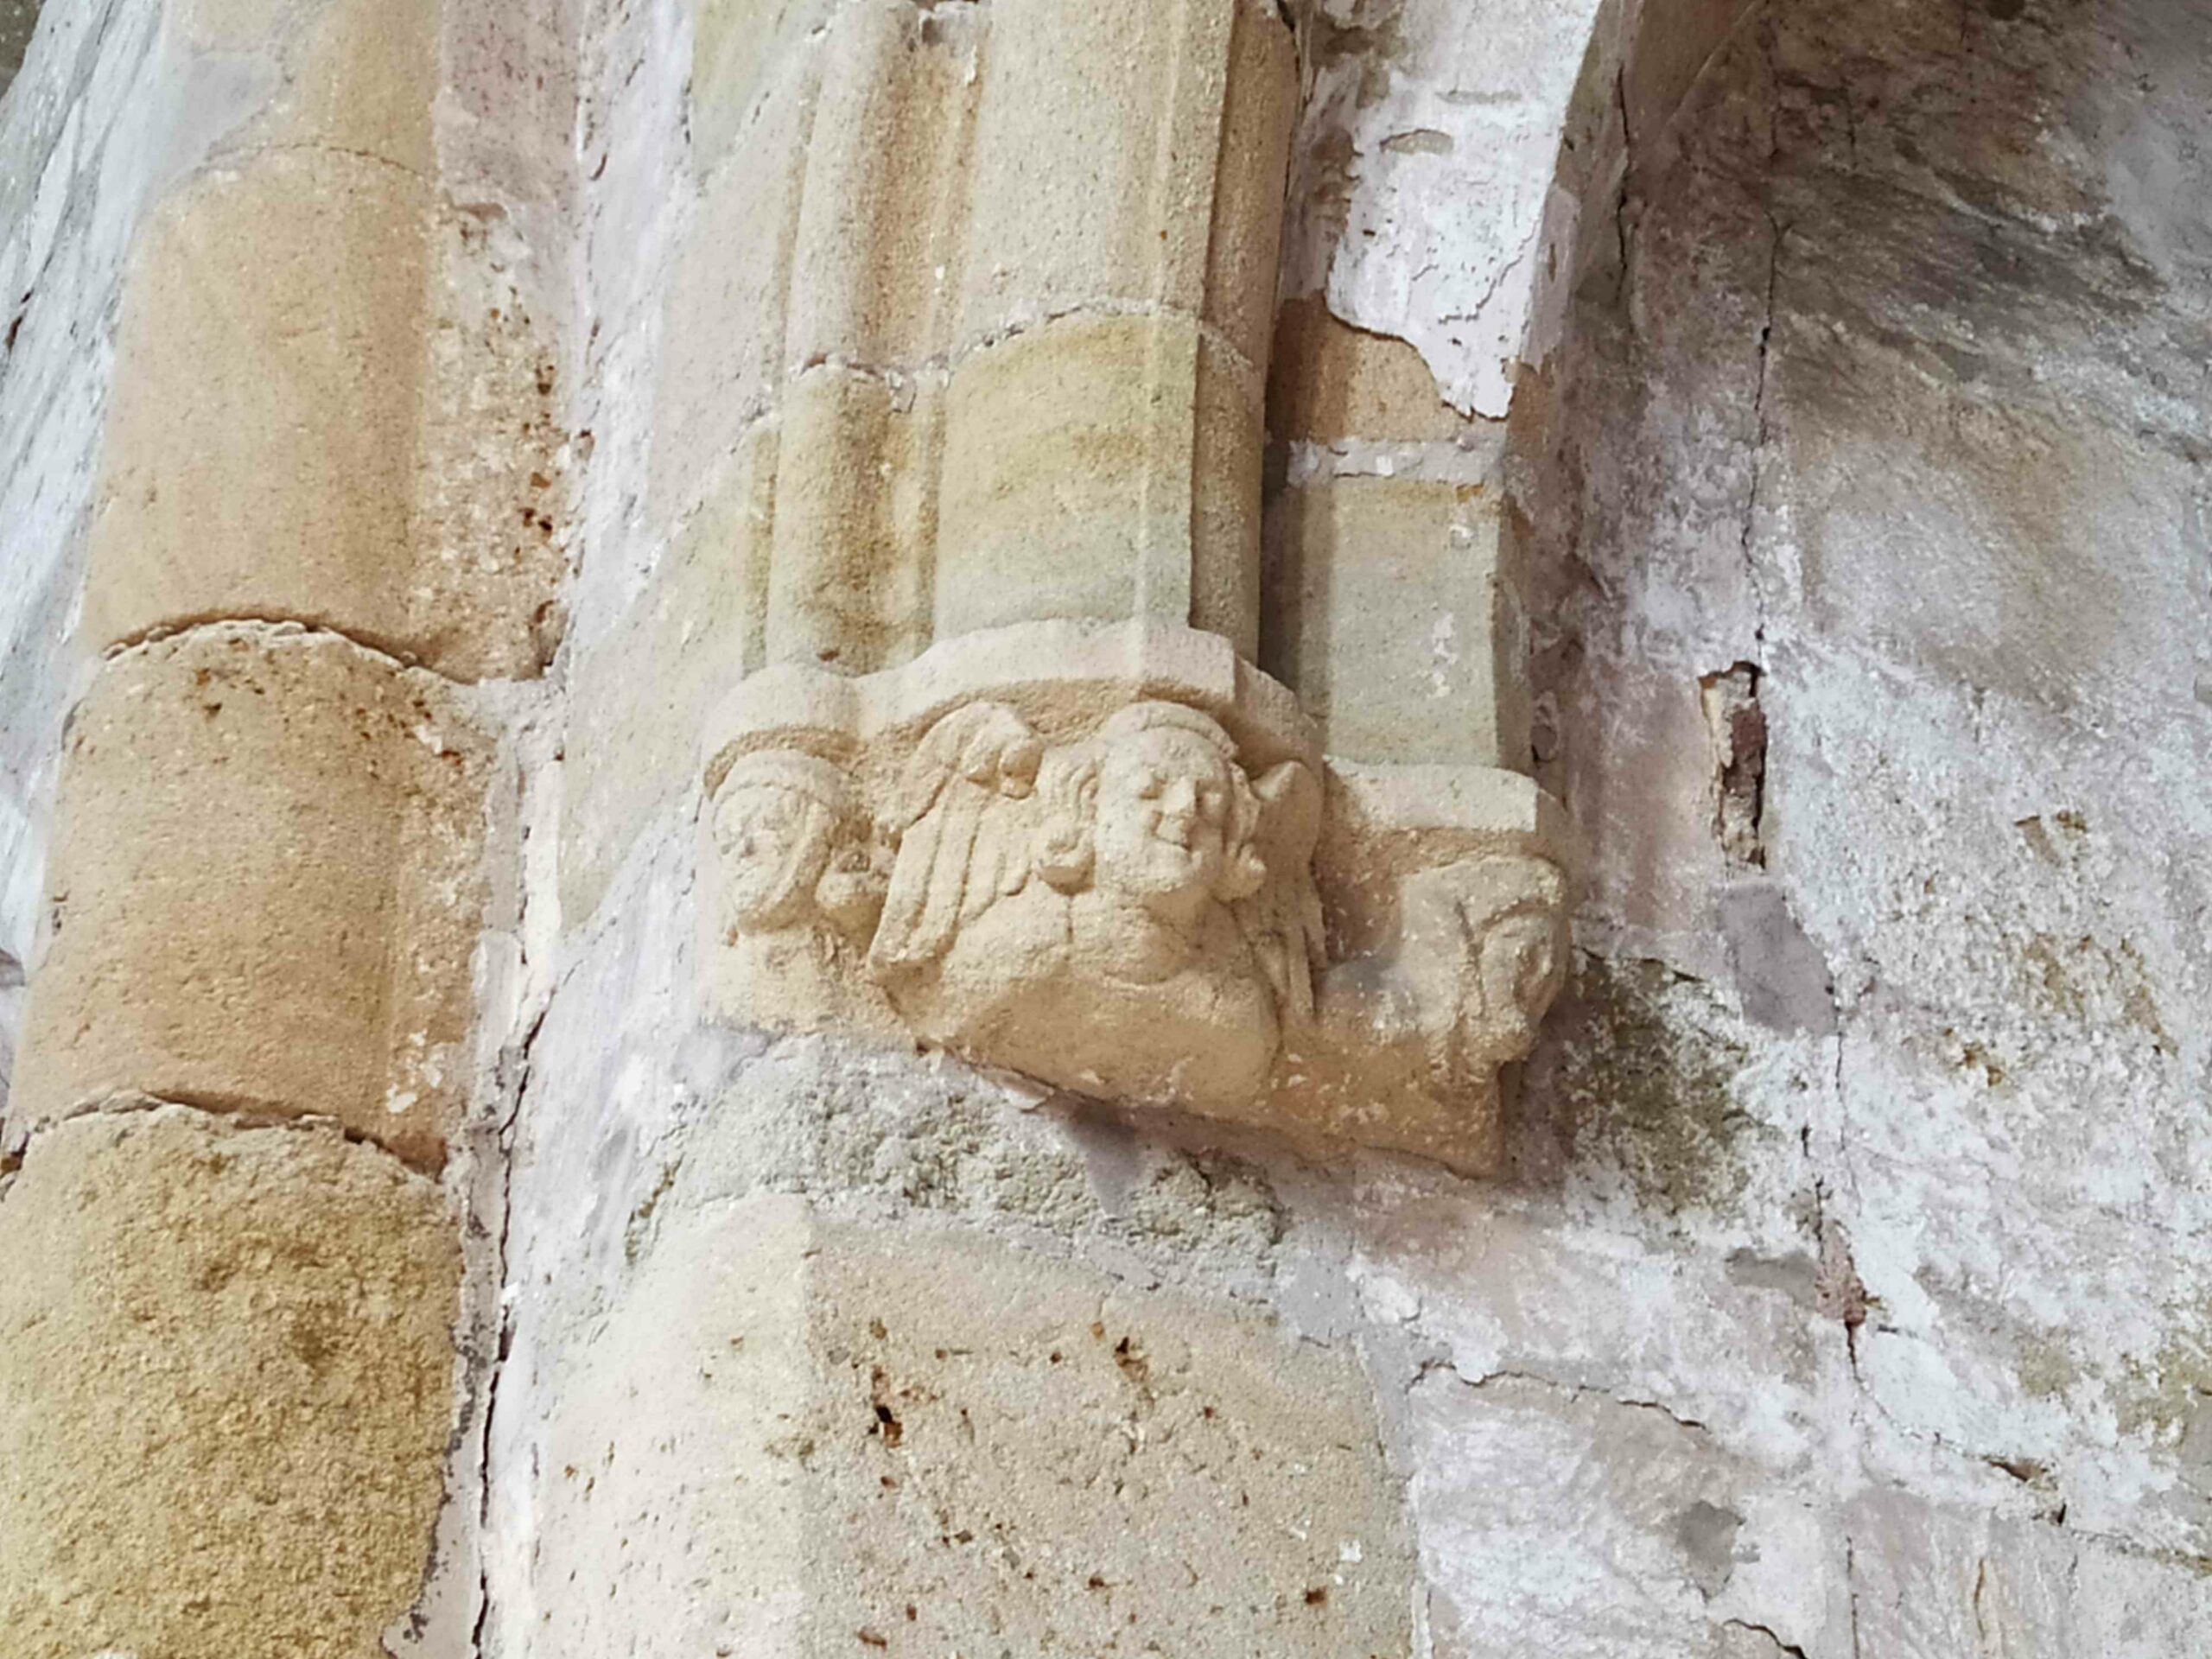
1111	857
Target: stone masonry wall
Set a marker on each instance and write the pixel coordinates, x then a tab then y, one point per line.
1831	374
281	465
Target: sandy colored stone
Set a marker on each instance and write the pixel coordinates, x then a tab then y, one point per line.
1130	155
800	1437
849	585
1102	467
1329	381
1349	561
886	195
265	888
1106	857
700	621
226	1390
1260	104
360	76
736	47
304	343
727	296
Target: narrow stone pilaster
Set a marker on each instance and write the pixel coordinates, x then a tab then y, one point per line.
1102	437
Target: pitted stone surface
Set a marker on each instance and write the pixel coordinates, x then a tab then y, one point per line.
310	340
227	1389
266	889
799	1436
1844	1290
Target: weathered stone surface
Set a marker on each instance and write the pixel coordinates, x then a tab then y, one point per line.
631	736
876	267
268	397
1131	157
227	1389
725	299
798	1437
1578	1522
358	76
1348	560
265	889
1329	381
848	581
1102	467
1940	1579
736	46
304	347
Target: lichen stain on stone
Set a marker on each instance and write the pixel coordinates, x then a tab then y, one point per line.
1373	45
2167	1395
1641	1086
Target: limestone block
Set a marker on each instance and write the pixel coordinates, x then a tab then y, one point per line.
728	296
737	49
359	75
286	374
876	263
1090	854
676	1476
1131	154
856	498
630	736
1944	1578
1106	468
226	1388
1260	102
1391	606
265	889
801	1437
1328	381
1558	1520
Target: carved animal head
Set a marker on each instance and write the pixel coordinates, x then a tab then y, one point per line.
1154	808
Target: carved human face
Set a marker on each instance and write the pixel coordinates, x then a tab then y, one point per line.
1520	966
1164	800
775	845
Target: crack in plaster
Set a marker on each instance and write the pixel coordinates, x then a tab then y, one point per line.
514	1085
1780	1646
1570	1390
1621	196
1760	433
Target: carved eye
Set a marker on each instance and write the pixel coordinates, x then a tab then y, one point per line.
1210	803
1150	785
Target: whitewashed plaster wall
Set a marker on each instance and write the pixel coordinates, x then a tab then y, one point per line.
1849	1296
